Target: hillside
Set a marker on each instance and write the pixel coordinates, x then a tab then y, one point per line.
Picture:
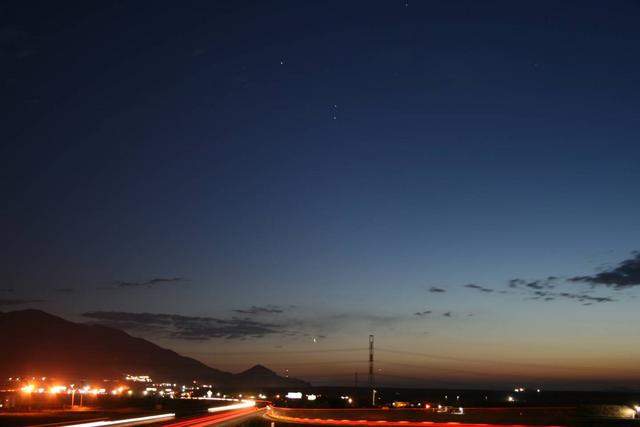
38	343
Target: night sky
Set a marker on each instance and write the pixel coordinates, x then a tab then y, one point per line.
271	182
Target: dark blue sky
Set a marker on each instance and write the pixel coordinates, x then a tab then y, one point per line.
319	167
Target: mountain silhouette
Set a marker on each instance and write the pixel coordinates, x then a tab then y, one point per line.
37	343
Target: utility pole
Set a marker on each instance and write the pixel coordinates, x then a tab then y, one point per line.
371	383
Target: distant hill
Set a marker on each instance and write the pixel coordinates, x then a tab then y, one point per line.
259	376
36	343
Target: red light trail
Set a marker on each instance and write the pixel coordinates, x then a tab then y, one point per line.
210	420
379	423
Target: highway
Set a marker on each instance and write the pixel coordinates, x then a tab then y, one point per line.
219	416
372	417
219	419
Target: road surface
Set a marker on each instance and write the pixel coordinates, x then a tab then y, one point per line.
219	419
382	418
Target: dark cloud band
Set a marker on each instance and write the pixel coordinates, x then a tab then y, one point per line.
257	310
625	275
151	283
185	327
10	302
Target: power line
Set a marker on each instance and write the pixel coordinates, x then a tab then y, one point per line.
420	379
240	353
334	362
501	362
456	371
348	374
408	353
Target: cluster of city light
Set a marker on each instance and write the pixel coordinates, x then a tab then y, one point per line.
57	389
441	408
61	389
522	390
139	378
25	379
87	390
138	385
39	385
347	398
120	390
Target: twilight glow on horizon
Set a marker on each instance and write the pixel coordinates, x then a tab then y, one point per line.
245	183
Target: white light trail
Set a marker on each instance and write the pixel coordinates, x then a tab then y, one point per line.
126	421
244	404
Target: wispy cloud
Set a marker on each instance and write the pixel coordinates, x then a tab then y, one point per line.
479	288
185	327
436	289
9	302
514	283
423	313
546	290
447	314
583	298
151	283
549	283
257	310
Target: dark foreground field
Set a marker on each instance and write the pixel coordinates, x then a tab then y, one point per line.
19	419
583	409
